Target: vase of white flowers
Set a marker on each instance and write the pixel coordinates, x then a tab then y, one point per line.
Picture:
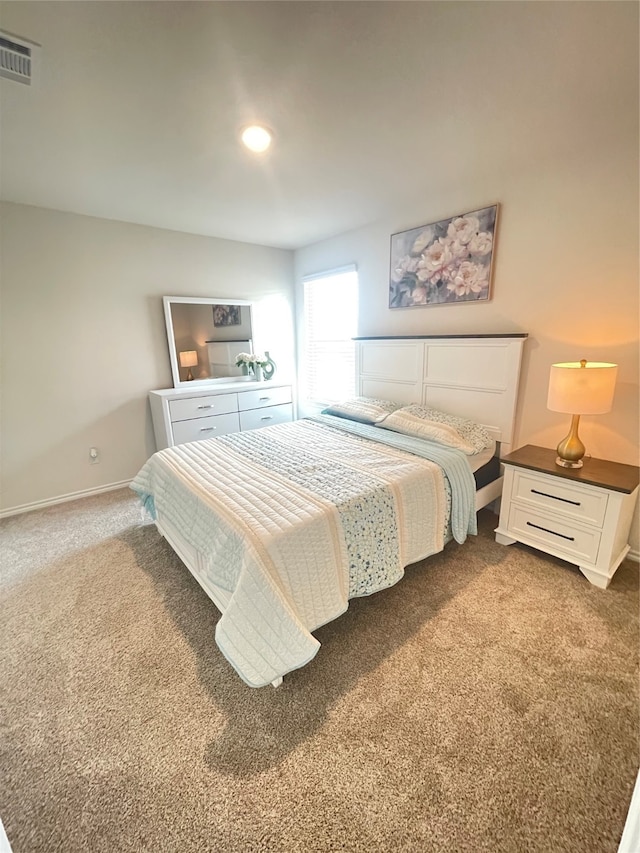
251	364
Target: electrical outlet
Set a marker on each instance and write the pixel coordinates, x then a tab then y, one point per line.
94	455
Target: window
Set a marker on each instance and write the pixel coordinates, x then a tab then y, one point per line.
330	323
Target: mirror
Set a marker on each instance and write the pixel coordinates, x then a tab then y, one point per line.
205	336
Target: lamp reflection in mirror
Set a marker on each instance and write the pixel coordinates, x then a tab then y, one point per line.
189	359
579	388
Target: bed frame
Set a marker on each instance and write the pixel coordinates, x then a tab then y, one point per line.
468	375
473	376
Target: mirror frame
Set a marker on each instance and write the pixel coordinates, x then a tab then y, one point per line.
167	301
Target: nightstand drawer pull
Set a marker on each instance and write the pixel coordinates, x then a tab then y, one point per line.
546	530
555	497
207	429
207	407
266	418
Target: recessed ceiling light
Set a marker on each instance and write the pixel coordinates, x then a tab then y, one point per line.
256	138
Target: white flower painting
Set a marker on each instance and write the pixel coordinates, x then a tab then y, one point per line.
444	263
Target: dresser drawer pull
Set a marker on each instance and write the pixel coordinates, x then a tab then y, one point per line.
206	429
266	418
210	406
555	497
263	399
546	530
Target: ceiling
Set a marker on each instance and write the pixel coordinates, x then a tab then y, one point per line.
135	111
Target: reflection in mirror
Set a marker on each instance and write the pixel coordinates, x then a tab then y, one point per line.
205	337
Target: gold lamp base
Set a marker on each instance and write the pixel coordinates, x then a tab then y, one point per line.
571	449
567	463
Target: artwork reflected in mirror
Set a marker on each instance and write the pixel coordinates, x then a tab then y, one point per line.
205	336
227	315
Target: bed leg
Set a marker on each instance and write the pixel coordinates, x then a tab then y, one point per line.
276	682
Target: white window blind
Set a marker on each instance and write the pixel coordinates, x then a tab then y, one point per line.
331	322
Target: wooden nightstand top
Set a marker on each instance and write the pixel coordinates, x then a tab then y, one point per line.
594	472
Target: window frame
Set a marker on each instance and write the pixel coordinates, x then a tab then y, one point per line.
306	385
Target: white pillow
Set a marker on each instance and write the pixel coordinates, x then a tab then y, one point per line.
366	410
441	427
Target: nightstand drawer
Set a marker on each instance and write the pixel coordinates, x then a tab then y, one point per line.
552	494
580	544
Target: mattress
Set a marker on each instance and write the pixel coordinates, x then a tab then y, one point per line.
479	460
291	521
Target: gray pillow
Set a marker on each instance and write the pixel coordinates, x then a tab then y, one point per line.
366	410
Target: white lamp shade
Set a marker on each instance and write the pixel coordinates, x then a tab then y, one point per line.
188	358
582	390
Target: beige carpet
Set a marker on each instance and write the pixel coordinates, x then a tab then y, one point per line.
488	702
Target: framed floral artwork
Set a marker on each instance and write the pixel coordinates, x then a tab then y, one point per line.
444	263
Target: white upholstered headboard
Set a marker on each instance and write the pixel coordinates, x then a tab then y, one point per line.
474	376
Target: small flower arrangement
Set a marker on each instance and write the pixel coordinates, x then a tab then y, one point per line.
249	362
249	359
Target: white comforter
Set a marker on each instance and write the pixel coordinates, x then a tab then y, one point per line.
292	521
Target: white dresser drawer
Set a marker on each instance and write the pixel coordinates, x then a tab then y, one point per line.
264	397
198	407
579	544
188	414
199	428
560	497
268	416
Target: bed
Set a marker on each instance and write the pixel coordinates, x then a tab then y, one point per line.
282	526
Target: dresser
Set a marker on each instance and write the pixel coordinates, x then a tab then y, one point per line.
582	515
216	408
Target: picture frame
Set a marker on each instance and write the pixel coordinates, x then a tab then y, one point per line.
226	315
447	262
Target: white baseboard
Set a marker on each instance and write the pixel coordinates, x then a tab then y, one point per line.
61	499
634	555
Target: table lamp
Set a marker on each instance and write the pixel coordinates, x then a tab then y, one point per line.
189	359
579	388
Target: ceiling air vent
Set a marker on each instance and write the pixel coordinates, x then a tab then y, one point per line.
16	58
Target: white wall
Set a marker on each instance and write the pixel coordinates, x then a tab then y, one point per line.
83	338
566	272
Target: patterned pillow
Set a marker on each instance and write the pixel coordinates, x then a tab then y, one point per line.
450	430
367	410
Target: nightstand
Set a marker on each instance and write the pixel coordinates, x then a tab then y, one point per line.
582	515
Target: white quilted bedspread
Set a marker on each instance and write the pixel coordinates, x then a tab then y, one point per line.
292	521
